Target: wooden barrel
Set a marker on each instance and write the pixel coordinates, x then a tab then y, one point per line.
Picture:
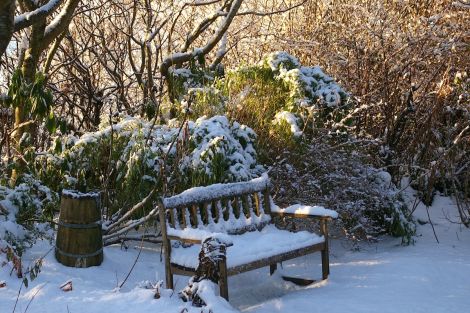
79	240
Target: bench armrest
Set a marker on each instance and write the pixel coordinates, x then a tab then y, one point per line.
299	210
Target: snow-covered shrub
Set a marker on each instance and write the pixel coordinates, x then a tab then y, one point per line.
203	101
189	82
312	93
309	86
343	177
122	160
127	160
279	87
24	211
287	119
220	151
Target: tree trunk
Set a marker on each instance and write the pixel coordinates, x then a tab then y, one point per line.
28	70
7	15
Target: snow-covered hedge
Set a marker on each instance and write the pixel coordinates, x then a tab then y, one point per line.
344	179
279	88
220	152
23	211
128	159
309	86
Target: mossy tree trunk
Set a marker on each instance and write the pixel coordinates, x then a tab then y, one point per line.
41	36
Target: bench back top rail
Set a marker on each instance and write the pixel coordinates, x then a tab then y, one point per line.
230	208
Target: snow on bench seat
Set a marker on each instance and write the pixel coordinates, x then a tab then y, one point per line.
199	234
251	246
306	210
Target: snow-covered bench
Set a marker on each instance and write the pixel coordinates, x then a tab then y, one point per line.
238	214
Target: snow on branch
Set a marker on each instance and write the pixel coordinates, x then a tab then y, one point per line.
60	22
29	18
461	4
130	212
181	57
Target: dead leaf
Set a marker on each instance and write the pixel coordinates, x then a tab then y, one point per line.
67	286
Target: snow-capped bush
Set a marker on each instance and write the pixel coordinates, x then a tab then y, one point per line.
128	159
122	160
291	120
280	85
221	152
343	178
23	212
309	86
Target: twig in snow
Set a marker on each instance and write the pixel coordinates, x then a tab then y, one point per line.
135	262
416	202
32	298
432	225
18	296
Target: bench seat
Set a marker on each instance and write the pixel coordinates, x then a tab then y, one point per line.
250	246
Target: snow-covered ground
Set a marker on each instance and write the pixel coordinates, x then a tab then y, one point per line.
378	277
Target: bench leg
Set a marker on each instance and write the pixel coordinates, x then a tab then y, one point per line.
168	273
325	259
169	281
272	268
325	264
223	279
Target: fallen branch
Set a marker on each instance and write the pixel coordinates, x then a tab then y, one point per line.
147	238
132	224
130	212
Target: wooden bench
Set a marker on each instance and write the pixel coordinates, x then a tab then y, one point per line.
242	212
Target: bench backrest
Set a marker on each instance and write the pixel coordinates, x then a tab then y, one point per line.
229	208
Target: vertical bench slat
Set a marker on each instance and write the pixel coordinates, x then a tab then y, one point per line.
251	210
230	210
261	201
236	207
267	201
187	217
171	217
193	214
206	209
224	209
216	210
258	204
246	206
182	219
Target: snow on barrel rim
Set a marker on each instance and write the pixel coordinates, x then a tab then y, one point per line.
75	194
